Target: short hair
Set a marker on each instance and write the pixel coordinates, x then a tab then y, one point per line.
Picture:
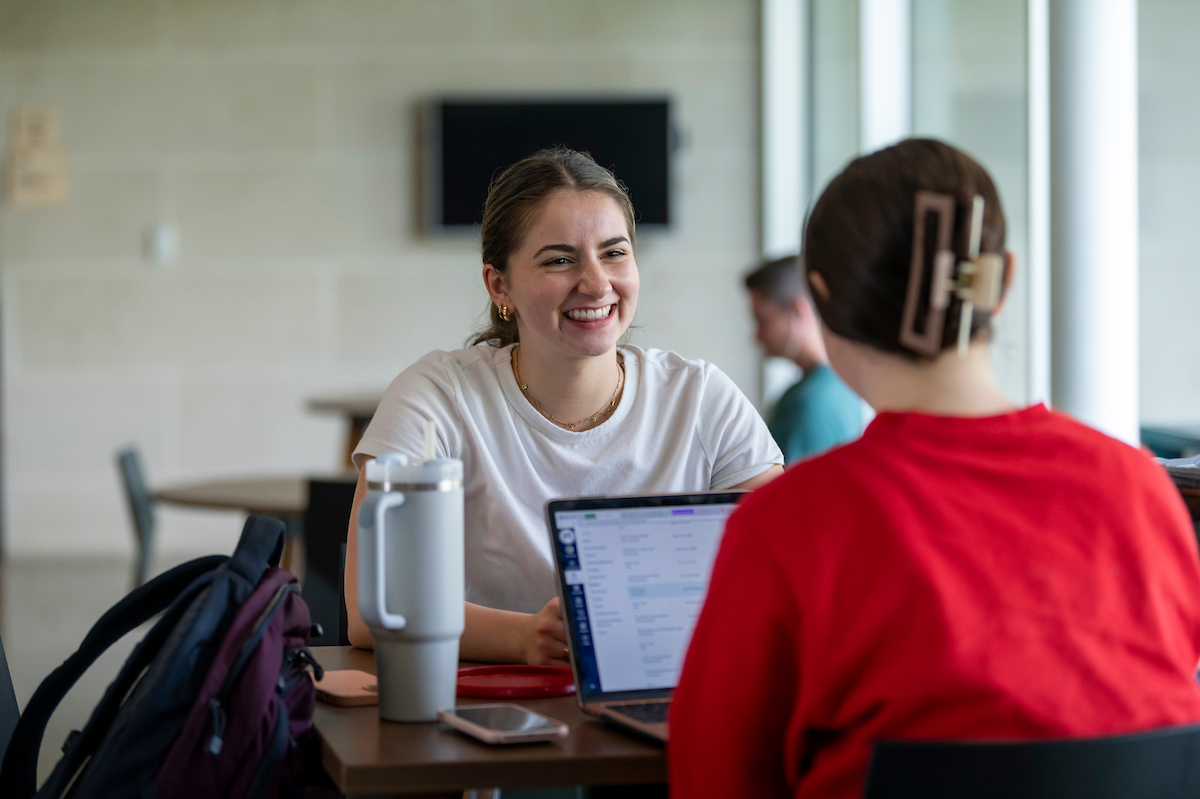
781	281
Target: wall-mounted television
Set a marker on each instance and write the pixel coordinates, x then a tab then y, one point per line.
468	142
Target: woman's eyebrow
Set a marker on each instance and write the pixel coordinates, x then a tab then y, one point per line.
567	248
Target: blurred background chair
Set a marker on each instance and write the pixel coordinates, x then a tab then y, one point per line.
141	511
1166	442
1159	764
9	712
326	522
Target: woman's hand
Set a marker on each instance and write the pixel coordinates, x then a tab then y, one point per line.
546	640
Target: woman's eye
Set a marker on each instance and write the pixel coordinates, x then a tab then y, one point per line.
614	253
558	262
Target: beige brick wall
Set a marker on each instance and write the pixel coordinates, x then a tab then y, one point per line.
279	136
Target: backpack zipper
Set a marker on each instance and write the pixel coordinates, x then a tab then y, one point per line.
304	655
218	724
289	675
216	704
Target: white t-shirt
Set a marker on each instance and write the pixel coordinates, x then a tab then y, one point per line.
680	426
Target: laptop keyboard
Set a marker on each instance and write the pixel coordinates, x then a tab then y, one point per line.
649	713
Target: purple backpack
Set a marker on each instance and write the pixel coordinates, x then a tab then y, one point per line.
215	701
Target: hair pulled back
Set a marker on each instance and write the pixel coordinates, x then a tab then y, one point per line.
517	195
859	238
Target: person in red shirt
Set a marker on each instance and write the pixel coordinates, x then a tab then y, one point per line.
966	569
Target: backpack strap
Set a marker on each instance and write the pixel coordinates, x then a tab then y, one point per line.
18	777
259	548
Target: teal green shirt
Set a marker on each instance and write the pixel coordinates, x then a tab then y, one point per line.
816	414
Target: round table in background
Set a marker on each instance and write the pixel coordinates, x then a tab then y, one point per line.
278	495
283	496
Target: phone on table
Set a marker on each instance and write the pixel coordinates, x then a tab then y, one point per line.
348	688
503	724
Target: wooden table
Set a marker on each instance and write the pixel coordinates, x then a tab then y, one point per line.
281	496
365	755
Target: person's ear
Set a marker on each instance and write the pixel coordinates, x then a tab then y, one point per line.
817	282
1010	271
803	311
497	287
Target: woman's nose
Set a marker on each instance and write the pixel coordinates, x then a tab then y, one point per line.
594	280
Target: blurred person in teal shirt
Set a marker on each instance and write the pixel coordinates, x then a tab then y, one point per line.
820	411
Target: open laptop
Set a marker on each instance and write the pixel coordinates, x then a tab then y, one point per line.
632	573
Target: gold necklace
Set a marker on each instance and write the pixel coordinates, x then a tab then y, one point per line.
607	409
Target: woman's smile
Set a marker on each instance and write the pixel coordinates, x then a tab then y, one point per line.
593	317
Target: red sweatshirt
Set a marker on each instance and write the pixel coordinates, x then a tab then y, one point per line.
1010	577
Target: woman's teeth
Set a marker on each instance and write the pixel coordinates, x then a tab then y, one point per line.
586	314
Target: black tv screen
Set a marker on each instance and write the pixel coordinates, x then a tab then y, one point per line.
471	142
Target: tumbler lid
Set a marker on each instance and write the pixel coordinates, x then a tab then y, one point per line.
394	471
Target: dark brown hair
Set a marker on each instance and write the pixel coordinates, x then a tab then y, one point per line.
513	199
859	238
779	281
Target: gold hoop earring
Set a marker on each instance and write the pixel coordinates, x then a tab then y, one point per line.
504	313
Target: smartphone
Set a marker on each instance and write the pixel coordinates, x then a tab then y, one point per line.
348	688
502	724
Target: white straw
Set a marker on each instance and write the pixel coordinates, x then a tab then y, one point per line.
430	432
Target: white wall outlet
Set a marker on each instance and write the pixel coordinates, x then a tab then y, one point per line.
162	244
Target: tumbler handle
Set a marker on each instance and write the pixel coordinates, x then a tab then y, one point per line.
390	621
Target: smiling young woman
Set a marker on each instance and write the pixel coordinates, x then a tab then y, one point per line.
572	286
547	403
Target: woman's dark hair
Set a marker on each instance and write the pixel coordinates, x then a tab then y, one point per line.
513	199
859	238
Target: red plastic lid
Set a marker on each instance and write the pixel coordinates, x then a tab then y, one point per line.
516	682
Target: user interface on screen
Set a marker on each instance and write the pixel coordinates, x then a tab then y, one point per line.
634	582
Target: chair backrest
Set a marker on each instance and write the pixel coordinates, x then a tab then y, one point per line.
9	712
326	522
141	510
1168	443
1159	764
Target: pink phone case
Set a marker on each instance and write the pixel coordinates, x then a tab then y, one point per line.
348	688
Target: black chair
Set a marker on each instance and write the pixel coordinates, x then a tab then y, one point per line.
9	712
1159	764
326	522
141	510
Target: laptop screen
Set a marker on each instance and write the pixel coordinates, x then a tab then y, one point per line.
633	572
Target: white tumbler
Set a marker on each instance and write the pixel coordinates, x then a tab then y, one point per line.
411	582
